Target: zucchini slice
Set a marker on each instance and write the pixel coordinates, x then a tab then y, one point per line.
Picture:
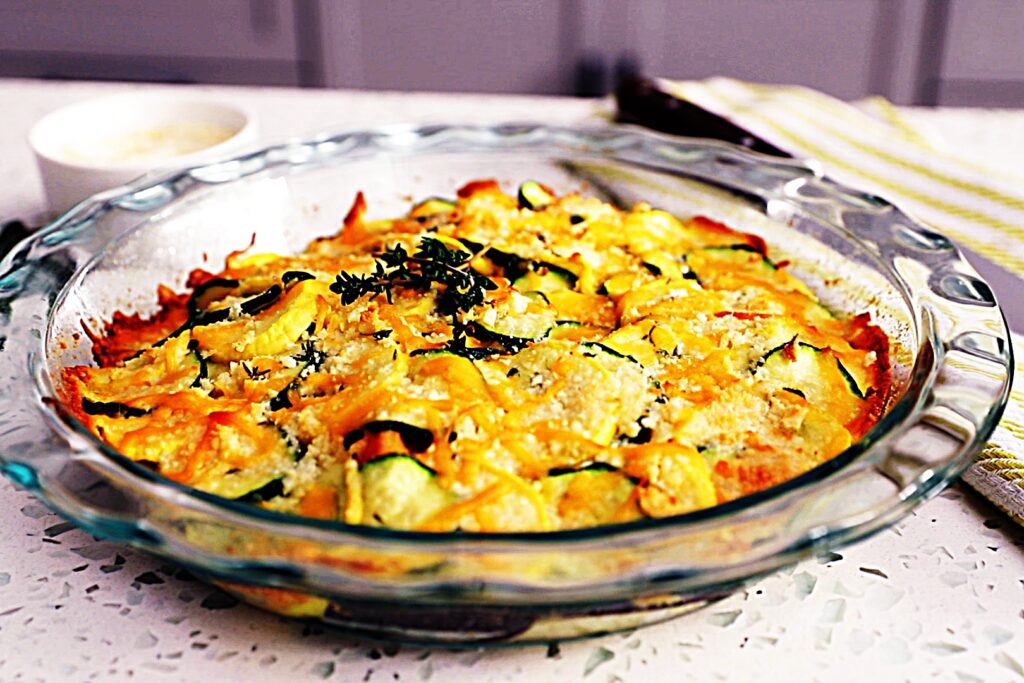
432	206
532	195
721	263
211	301
674	478
815	374
595	494
510	343
708	261
643	231
577	331
511	266
544	277
400	492
633	342
662	264
512	321
442	351
172	367
247	468
618	285
176	437
278	323
604	348
580	388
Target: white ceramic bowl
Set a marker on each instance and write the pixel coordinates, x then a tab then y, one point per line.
91	146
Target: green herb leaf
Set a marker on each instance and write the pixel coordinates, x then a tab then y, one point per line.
432	267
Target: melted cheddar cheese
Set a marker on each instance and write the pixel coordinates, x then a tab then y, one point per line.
615	364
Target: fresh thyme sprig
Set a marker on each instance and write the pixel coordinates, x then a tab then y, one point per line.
255	373
433	264
310	357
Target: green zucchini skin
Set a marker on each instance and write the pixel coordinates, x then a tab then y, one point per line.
737	247
643	435
468	352
280	400
198	317
793	343
386	457
599	347
532	195
119	409
416	439
544	277
262	301
204	372
774	350
510	344
806	386
259	482
208	292
111	409
512	266
272	489
293	276
217	289
564	483
432	206
431	353
850	381
729	253
400	492
590	467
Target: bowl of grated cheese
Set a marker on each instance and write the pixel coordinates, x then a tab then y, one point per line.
90	146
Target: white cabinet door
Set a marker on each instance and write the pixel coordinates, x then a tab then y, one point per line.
222	40
983	61
850	48
831	45
449	45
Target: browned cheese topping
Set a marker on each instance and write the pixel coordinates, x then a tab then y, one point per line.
492	363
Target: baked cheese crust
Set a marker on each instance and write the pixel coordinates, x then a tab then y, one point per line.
492	363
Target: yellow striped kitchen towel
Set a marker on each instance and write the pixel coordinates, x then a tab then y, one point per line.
869	146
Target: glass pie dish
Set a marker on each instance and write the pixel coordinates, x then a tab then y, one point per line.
951	358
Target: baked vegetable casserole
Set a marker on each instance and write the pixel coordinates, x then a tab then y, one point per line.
492	363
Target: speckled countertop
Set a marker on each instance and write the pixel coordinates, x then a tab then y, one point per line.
939	596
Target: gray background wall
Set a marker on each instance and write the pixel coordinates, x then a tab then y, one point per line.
912	51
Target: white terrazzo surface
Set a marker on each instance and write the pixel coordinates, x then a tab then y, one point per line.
940	596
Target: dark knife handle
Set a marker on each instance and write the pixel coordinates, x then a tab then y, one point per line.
642	102
11	233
